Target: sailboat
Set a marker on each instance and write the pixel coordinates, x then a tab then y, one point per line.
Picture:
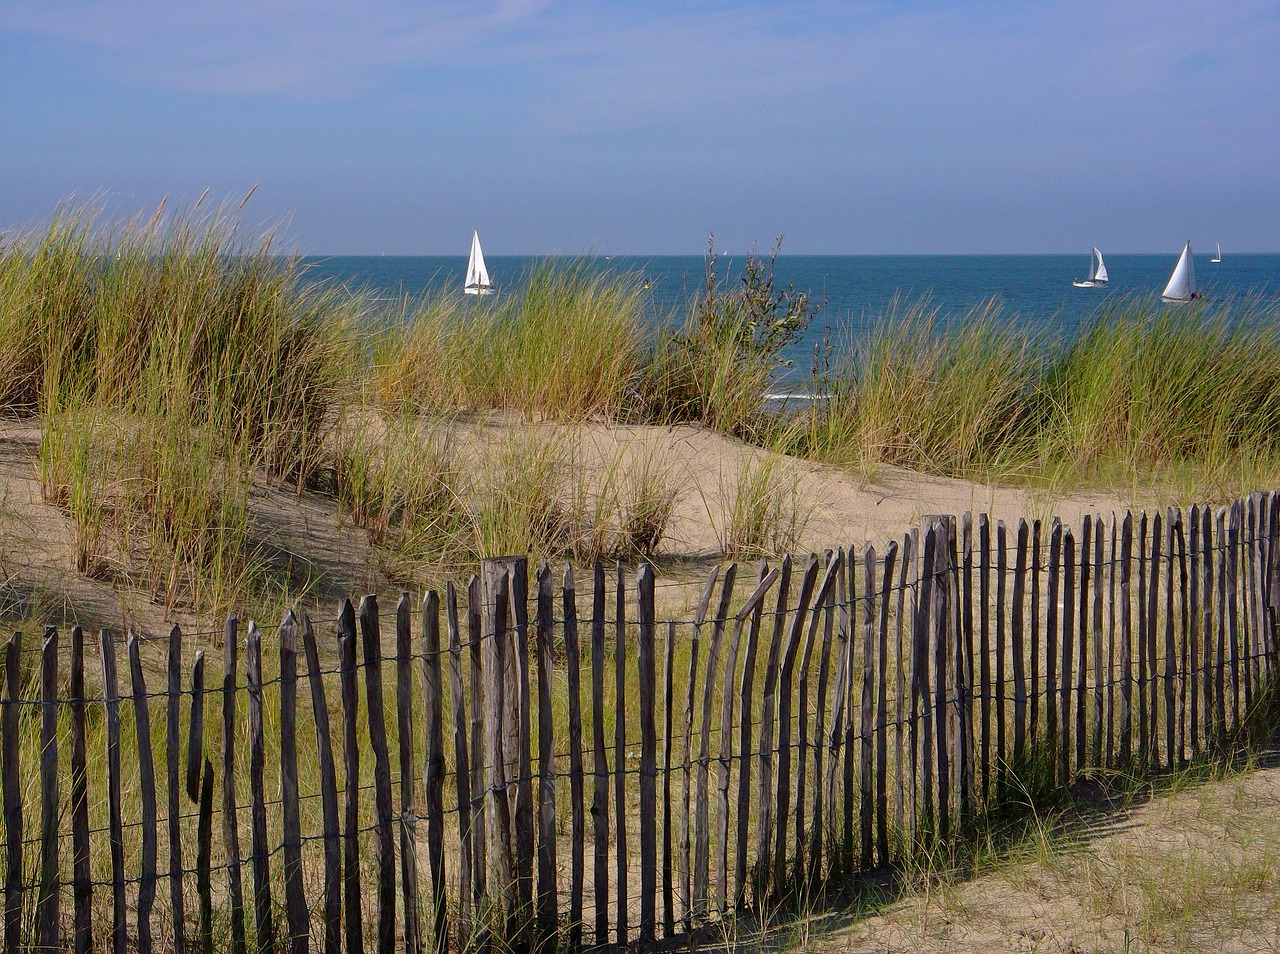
1182	283
1097	272
477	282
1217	259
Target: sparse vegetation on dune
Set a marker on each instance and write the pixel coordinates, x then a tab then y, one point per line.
178	365
1143	393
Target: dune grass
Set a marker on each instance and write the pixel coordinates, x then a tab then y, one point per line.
567	344
1144	391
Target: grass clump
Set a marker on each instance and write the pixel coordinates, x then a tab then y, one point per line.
567	345
173	361
716	368
763	512
1143	390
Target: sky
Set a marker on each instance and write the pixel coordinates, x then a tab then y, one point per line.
910	126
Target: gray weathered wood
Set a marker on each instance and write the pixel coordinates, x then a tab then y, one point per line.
173	757
746	700
728	697
195	730
1067	676
882	710
1033	697
1193	629
352	906
1144	624
984	651
548	907
328	794
204	863
803	872
264	916
13	799
768	702
1016	646
230	815
81	878
496	584
964	670
1233	619
1170	651
846	596
623	865
48	893
462	767
294	896
701	811
1149	647
648	754
1097	753
1186	657
518	718
1221	702
866	813
1206	631
1051	635
839	741
413	941
147	791
812	859
1111	644
577	818
433	769
941	610
921	695
1126	644
479	837
1082	641
115	819
600	788
384	840
1001	687
786	674
668	700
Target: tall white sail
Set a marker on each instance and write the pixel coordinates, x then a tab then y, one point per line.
1217	257
477	282
1097	271
1182	283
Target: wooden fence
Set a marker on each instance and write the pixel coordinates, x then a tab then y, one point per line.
801	728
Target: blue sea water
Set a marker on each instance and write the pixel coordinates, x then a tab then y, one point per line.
854	290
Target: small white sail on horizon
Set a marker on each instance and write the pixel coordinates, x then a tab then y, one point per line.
1217	259
1182	283
477	282
1097	272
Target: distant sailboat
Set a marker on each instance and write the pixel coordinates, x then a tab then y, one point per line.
1097	272
1217	259
1182	283
477	282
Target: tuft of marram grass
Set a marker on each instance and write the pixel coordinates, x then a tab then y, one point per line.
566	344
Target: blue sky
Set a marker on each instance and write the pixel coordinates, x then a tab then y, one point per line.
398	126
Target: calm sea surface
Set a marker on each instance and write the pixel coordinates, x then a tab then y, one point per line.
1034	290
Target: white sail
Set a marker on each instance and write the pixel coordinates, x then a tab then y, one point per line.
477	282
1182	283
1217	257
1097	271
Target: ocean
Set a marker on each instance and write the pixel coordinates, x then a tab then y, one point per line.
854	290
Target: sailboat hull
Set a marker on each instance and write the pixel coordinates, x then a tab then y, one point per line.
1090	284
479	291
